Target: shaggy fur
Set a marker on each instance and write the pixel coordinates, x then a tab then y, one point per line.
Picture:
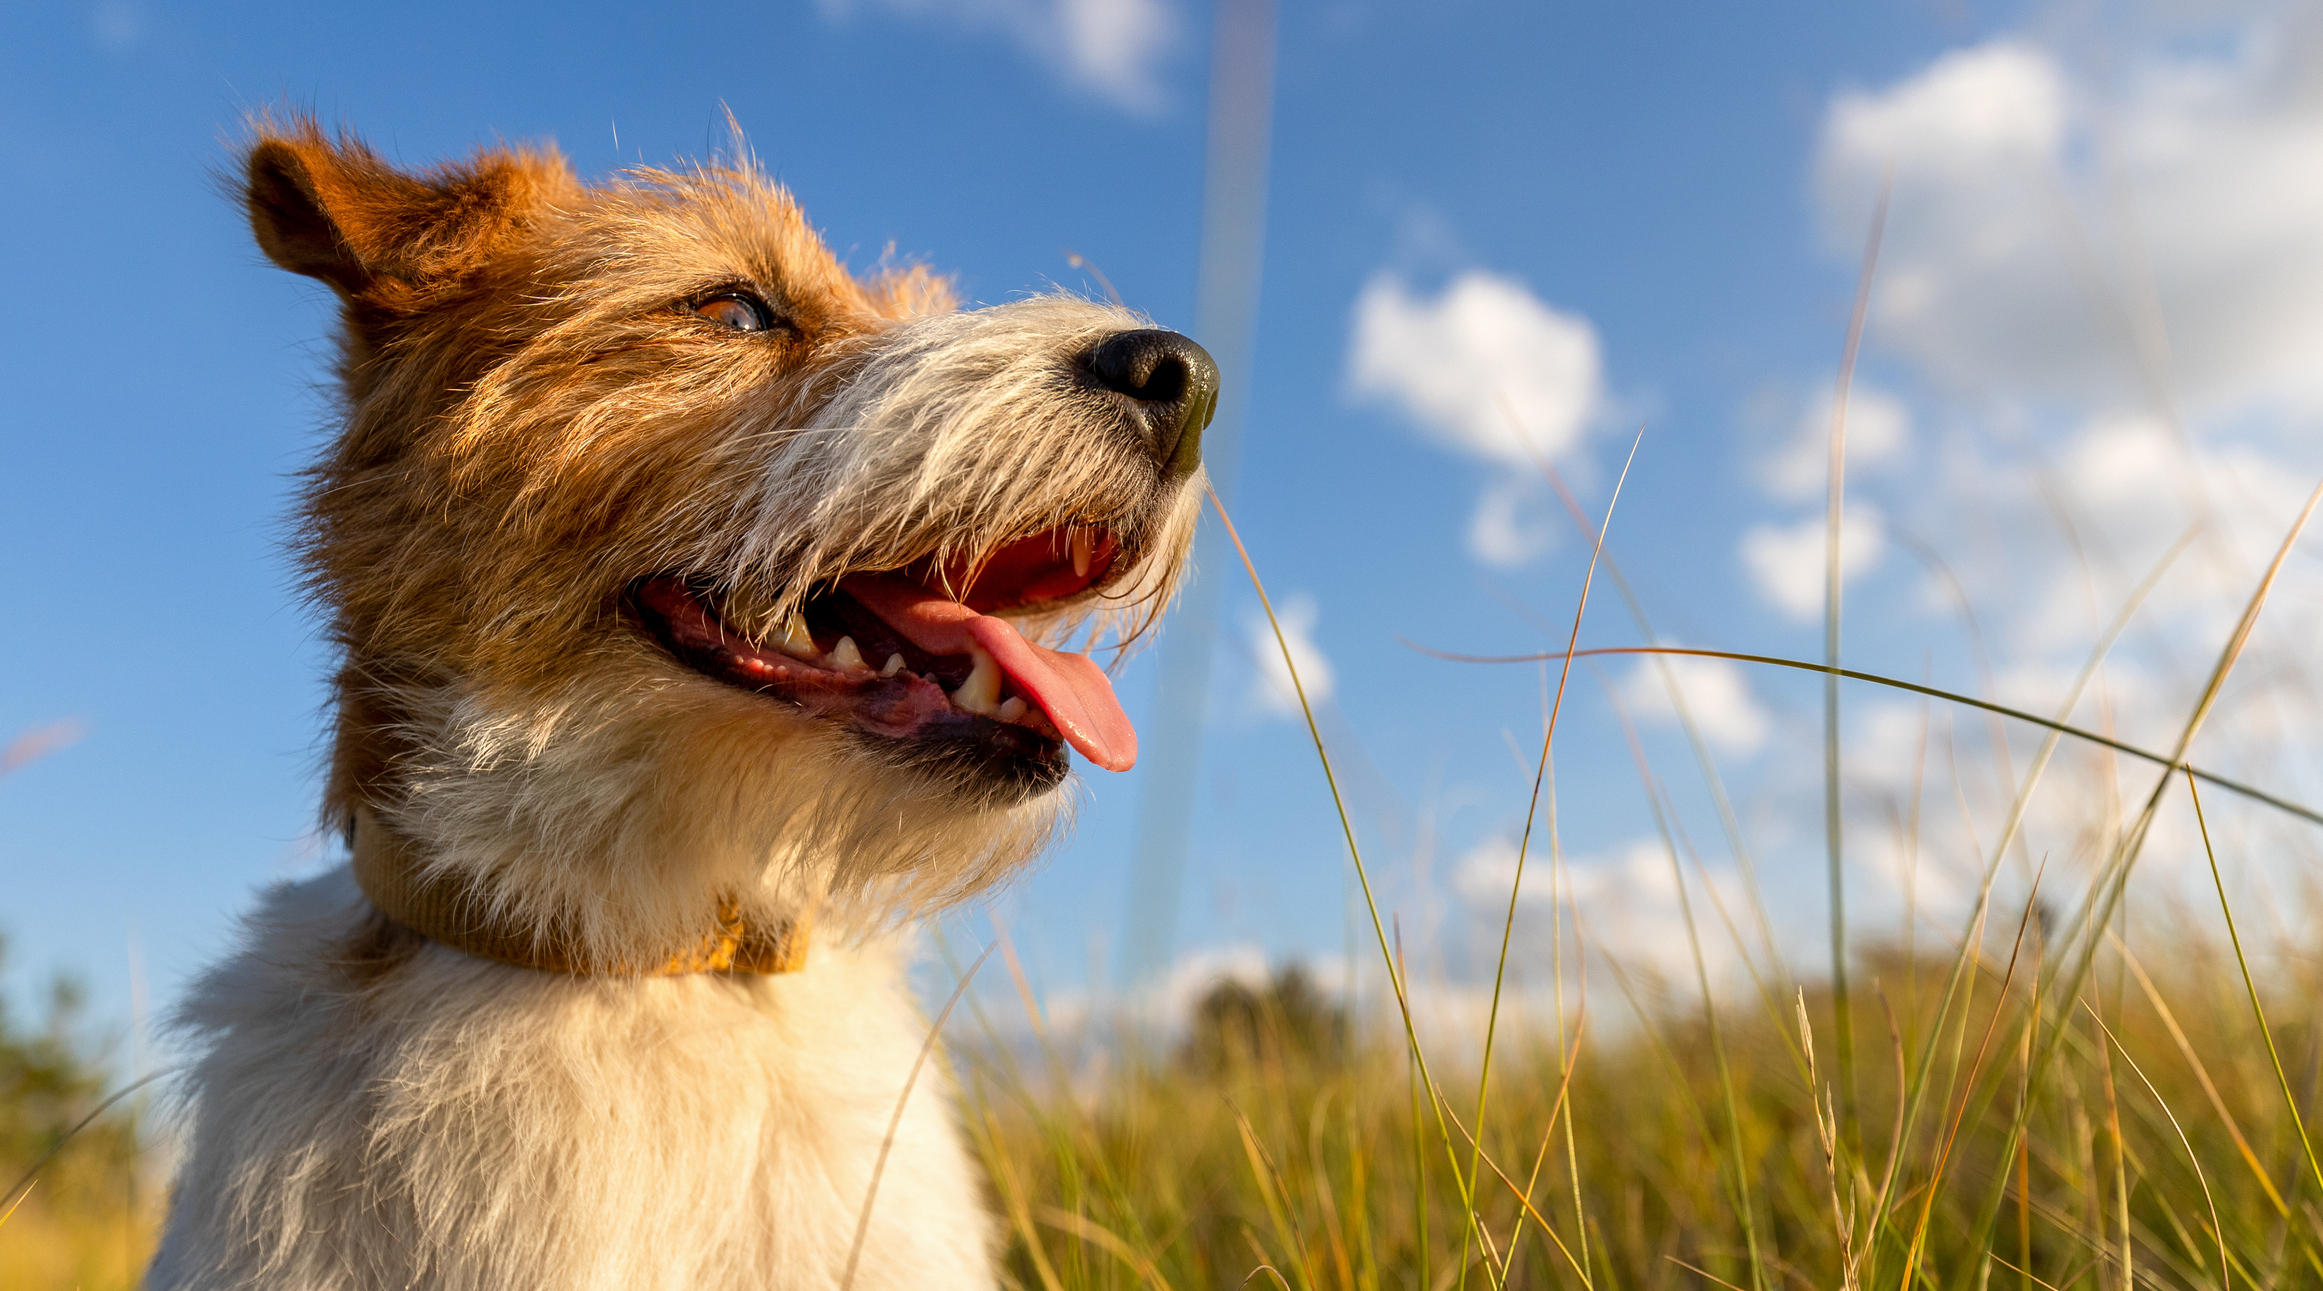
537	415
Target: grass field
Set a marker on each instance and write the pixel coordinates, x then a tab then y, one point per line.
2138	1136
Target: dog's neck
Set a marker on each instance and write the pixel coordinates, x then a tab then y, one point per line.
443	908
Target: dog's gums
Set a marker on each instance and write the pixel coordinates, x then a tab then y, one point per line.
901	659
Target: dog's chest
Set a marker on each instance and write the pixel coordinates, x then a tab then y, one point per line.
460	1124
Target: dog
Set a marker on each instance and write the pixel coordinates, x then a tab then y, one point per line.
704	613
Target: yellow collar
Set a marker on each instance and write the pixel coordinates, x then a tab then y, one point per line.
442	908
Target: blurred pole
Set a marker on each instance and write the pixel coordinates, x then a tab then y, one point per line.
1225	313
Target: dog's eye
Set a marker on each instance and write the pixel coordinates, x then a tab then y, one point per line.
737	310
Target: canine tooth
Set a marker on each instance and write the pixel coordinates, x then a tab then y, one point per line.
846	656
794	640
893	666
980	693
1084	551
1011	708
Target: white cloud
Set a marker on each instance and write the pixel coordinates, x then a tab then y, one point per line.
1486	367
1489	370
1790	563
1967	110
1271	690
1879	431
2062	248
1716	695
1628	903
1111	48
1511	524
2051	240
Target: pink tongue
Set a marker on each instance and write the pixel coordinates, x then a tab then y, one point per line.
1070	688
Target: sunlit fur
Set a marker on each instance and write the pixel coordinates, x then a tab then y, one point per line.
533	419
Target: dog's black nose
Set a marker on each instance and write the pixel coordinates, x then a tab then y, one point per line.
1172	385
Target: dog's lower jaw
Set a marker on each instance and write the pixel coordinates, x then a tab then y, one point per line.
372	1111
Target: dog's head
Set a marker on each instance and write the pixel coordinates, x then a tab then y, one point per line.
670	557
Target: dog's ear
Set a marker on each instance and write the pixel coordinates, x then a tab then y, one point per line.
332	209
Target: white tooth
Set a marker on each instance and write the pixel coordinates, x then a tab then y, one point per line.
893	666
1011	708
794	639
980	693
1084	551
846	656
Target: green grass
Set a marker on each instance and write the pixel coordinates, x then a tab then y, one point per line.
1188	1174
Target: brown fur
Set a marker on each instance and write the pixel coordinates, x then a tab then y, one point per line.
447	278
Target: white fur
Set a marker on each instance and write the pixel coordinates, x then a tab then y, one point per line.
471	1126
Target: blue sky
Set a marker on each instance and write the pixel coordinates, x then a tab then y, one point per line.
2091	328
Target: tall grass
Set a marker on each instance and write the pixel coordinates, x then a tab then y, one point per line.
2053	1111
2155	1149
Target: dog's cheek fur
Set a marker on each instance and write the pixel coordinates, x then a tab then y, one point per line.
413	1128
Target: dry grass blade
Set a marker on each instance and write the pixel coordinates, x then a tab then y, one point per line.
2248	624
1389	958
1744	1206
1558	1113
2002	1261
2193	1157
2201	1072
1333	1227
1702	1273
2121	1184
1531	815
1089	267
1065	1221
1522	1200
1967	1090
27	1186
2258	1010
22	1188
1013	1199
1833	585
1827	1137
1728	820
895	1122
1276	1196
1895	683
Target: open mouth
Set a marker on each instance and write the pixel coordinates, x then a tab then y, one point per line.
923	656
